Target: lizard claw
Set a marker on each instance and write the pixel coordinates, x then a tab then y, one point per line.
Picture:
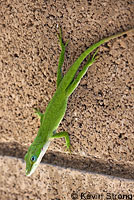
60	39
95	57
68	148
38	113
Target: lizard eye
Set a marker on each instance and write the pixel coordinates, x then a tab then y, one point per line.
34	158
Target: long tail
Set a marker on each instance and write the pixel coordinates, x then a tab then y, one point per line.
68	77
94	46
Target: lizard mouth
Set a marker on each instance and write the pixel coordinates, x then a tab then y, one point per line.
27	172
30	171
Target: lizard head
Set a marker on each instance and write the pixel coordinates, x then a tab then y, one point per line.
34	156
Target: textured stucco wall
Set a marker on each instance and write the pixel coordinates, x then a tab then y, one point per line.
100	114
56	183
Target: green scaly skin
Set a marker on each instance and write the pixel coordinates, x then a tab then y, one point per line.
55	111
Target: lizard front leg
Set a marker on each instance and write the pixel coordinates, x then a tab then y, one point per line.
66	136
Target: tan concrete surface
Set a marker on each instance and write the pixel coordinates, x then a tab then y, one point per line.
51	182
100	114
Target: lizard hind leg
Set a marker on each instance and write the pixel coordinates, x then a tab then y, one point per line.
61	59
74	84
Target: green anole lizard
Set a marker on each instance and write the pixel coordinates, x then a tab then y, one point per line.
50	120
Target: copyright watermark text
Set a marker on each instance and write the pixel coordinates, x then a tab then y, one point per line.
101	196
